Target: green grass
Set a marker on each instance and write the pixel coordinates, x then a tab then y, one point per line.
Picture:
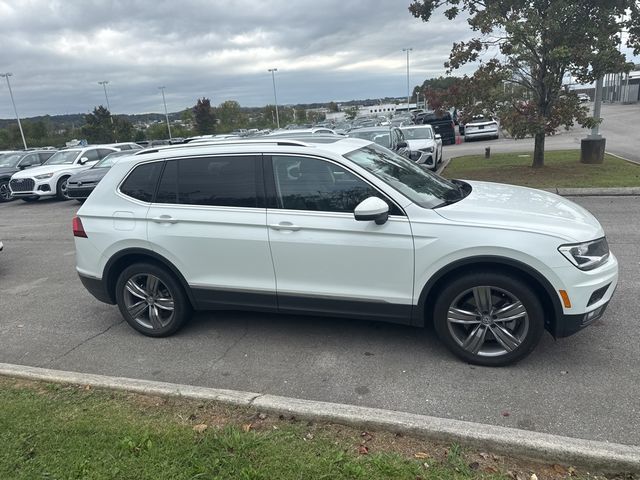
49	431
562	170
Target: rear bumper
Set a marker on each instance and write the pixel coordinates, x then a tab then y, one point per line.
480	133
97	288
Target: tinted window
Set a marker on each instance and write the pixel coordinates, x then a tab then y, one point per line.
91	155
30	160
217	181
141	183
310	184
103	152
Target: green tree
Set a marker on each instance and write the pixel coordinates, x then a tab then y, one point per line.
99	126
540	41
123	129
204	117
230	116
350	112
333	107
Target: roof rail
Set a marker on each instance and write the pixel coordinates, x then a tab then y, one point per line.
203	143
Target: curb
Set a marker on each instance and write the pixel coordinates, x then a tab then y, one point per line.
606	457
594	192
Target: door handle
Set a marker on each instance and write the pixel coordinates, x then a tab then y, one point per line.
284	226
165	219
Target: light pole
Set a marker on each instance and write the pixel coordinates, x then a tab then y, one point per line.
106	97
408	97
7	75
275	97
166	115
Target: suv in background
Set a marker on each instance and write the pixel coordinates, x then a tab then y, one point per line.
340	226
425	146
50	178
12	162
389	137
442	124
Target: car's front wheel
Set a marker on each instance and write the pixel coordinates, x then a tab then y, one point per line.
489	318
5	193
151	300
61	189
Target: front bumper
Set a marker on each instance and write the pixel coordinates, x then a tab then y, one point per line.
590	293
40	188
425	158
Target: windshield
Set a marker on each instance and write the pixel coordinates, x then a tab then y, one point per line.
421	186
62	158
109	160
417	133
381	137
10	159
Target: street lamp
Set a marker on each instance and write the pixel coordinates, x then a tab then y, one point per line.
408	97
7	75
166	115
106	97
275	97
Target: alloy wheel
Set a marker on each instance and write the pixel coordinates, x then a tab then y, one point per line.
488	321
149	301
5	192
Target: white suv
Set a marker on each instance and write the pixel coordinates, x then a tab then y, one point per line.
50	178
340	226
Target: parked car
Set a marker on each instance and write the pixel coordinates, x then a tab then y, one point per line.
481	127
389	137
12	162
50	178
425	145
81	184
301	132
340	227
442	124
583	97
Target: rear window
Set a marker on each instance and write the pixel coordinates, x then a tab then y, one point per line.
141	182
215	181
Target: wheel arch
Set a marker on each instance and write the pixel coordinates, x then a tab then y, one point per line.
423	313
121	260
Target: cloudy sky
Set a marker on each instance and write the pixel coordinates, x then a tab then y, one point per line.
324	50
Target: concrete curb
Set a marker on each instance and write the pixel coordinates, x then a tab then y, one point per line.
606	457
594	192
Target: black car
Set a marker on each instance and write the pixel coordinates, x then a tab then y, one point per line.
442	123
12	162
390	137
80	185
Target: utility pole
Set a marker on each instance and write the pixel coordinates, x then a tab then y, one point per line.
275	97
409	49
166	115
106	97
7	75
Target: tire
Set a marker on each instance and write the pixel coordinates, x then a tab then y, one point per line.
30	199
135	294
5	192
475	340
61	189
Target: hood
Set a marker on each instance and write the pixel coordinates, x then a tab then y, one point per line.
420	143
507	206
42	169
8	171
90	175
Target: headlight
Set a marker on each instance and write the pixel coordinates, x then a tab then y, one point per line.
428	149
44	175
587	255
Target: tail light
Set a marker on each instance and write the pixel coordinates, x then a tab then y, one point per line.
78	228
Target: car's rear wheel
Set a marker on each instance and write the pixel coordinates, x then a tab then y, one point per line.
5	193
61	189
489	318
151	300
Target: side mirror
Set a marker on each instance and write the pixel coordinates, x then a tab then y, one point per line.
402	144
83	160
22	167
372	208
438	136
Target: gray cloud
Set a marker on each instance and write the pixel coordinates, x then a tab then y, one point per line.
323	49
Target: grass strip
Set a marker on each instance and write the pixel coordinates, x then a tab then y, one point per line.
562	170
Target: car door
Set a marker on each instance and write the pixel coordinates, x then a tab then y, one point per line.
209	220
326	261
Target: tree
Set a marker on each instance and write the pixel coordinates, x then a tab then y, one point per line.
99	126
333	107
204	117
231	116
540	41
350	112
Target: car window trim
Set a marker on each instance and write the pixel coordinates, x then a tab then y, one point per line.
273	201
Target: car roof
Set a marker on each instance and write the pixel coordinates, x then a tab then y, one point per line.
300	145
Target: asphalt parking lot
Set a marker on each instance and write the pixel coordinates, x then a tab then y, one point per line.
585	386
